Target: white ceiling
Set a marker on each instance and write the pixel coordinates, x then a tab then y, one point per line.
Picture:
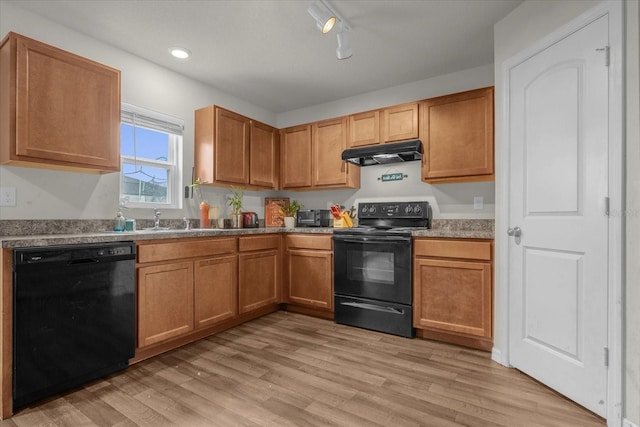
270	52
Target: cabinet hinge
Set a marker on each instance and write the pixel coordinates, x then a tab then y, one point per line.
606	356
606	206
607	55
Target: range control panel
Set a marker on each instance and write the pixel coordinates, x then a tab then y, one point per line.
394	210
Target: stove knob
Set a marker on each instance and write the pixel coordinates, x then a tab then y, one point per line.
372	209
364	209
417	209
408	209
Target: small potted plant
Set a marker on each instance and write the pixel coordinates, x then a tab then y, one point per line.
289	211
235	201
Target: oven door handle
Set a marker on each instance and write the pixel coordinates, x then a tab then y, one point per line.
366	306
382	239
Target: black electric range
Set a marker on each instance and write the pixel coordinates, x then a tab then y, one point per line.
372	267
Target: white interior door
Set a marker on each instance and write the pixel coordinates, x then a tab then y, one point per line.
558	277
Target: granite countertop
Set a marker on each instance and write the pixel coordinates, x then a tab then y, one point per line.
14	234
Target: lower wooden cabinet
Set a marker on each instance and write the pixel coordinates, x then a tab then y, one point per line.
453	291
189	288
308	269
184	285
165	302
259	272
215	290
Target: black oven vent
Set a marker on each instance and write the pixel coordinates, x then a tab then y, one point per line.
395	152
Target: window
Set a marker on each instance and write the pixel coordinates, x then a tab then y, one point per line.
151	158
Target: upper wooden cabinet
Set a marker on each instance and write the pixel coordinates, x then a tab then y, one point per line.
364	129
57	110
329	170
457	134
295	157
231	149
263	155
400	122
311	157
390	124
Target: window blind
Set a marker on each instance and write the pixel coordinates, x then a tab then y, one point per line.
134	116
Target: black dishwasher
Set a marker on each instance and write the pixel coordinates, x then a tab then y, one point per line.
73	316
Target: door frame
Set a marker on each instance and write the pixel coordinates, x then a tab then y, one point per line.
616	203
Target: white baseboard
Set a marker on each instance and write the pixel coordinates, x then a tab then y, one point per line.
496	356
627	423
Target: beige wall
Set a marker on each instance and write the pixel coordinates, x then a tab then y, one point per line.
632	362
45	194
526	25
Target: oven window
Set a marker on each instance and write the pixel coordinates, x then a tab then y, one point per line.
370	266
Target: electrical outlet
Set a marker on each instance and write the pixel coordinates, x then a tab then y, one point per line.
478	202
7	196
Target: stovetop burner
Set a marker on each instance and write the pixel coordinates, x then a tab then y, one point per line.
390	218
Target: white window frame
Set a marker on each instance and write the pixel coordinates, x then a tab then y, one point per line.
161	123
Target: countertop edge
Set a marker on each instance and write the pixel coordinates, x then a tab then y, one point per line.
100	237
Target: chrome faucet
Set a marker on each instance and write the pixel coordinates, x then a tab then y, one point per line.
156	218
187	224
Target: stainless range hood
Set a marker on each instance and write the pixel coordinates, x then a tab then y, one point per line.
395	152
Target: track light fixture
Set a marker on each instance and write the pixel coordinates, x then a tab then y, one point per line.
344	50
326	18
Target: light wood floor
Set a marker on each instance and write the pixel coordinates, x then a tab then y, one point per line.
292	370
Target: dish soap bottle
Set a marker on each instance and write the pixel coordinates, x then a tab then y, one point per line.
119	222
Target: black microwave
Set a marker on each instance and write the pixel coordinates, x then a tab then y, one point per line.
313	218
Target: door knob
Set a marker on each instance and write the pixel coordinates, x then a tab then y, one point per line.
515	231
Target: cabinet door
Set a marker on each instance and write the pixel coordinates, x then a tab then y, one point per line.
263	155
66	110
215	290
258	280
295	157
165	302
364	129
458	137
204	118
453	296
231	147
329	141
309	278
400	122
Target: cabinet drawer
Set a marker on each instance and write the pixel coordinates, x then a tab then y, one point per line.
453	249
323	243
185	249
258	243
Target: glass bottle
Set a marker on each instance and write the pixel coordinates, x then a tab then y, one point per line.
119	222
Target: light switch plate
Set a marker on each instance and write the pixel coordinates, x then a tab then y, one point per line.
7	196
478	202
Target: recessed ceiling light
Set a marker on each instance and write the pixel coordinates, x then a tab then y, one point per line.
179	52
